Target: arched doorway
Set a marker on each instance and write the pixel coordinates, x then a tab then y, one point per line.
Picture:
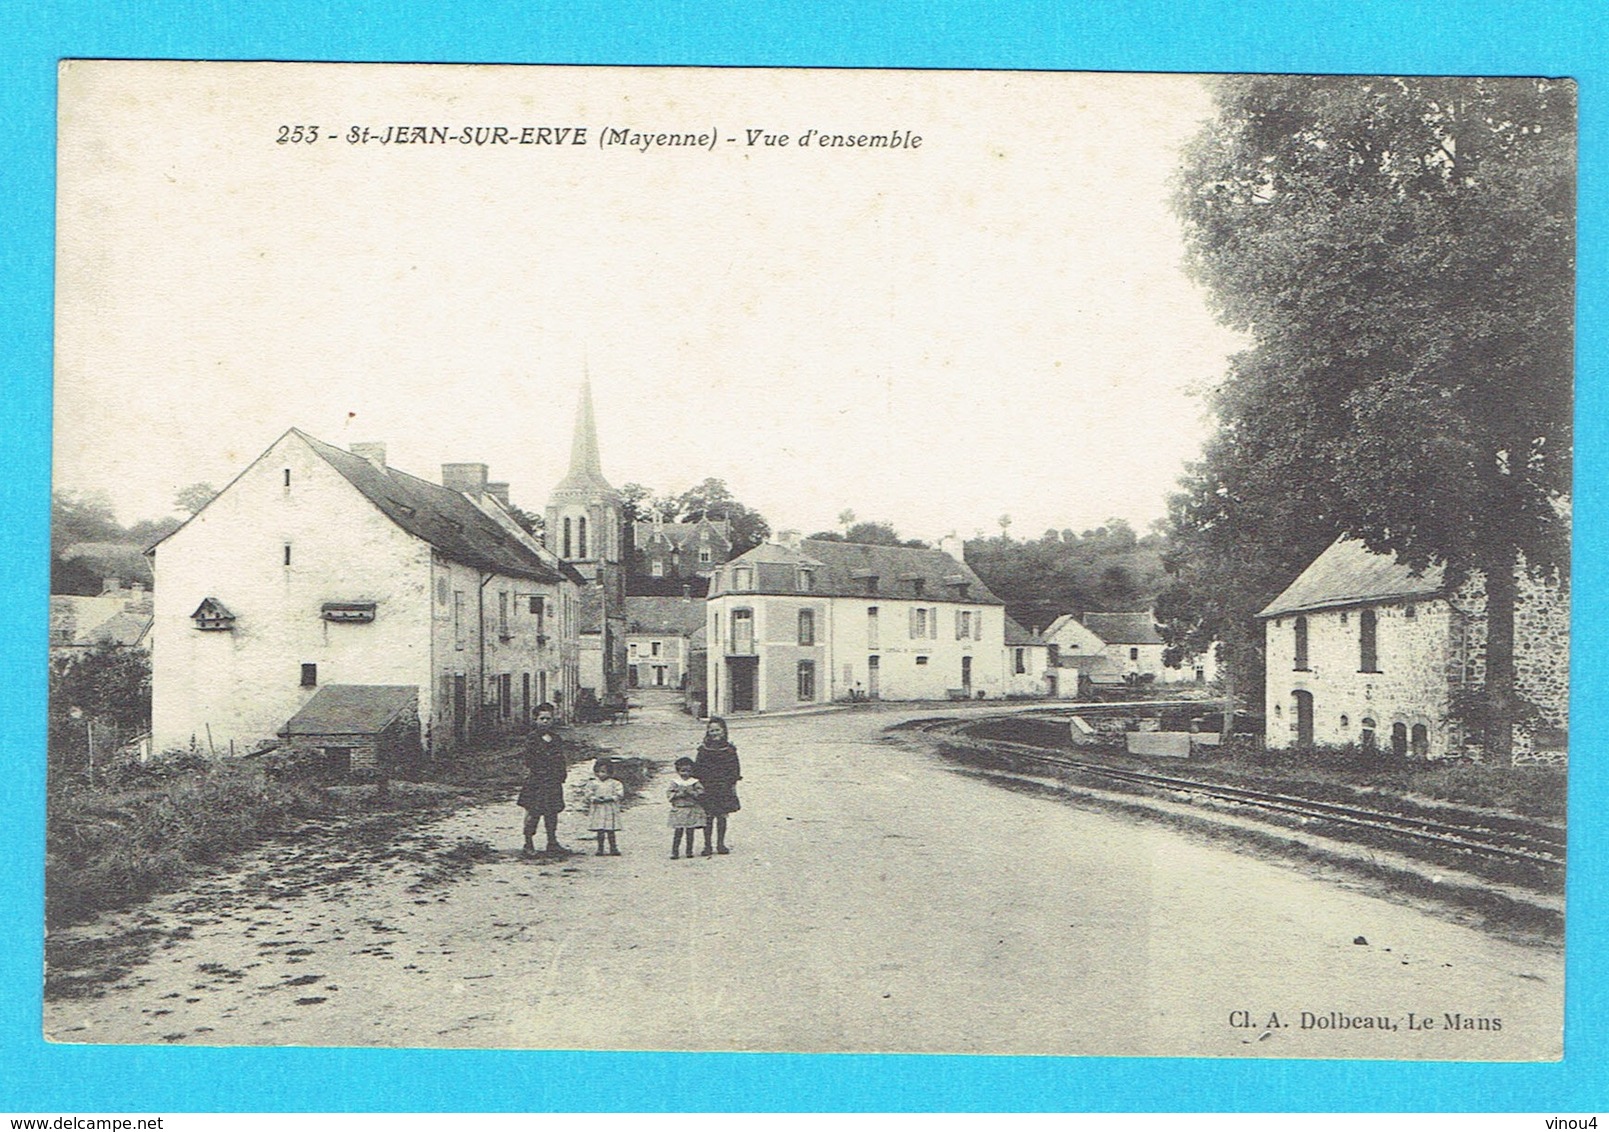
1304	717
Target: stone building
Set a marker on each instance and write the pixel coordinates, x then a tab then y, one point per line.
799	622
658	635
1362	650
319	566
679	550
1094	650
1027	662
585	527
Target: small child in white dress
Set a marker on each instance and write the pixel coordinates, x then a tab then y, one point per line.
603	794
686	815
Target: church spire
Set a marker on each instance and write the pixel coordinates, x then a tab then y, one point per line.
586	468
584	461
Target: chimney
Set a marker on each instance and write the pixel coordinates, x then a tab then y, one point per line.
789	539
464	477
687	591
499	491
373	452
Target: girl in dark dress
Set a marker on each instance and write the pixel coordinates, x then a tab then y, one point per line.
717	768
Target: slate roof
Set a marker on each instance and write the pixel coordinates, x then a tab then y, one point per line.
843	568
444	518
1017	635
126	628
353	709
663	615
680	534
1349	573
1123	628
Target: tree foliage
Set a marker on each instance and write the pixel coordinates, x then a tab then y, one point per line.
108	686
1109	568
713	499
1401	253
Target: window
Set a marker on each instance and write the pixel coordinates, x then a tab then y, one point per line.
742	631
287	479
977	624
505	695
871	583
1343	617
1399	740
502	614
1366	738
807	627
871	627
657	569
742	578
581	538
807	580
1408	613
566	537
309	675
807	681
287	554
653	648
1134	654
631	647
918	585
704	556
1419	740
1368	653
458	619
921	660
1300	663
918	622
539	610
1021	661
963	624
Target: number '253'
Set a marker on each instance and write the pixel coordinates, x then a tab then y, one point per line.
296	135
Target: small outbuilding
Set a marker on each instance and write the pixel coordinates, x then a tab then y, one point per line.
363	726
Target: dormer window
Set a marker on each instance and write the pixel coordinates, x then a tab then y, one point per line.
807	579
742	578
212	616
918	585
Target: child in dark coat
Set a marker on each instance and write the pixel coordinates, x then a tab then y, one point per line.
717	768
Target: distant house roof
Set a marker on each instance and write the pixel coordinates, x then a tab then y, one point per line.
126	628
645	532
1123	628
1349	573
353	709
663	615
843	569
1017	635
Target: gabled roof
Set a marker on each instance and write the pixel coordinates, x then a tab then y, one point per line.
646	531
353	709
1017	635
1123	628
676	615
126	628
843	567
1349	573
444	518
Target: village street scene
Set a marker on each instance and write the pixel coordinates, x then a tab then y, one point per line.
710	742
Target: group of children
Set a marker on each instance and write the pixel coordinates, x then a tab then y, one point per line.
702	794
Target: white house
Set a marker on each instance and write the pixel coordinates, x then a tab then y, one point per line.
809	621
1361	650
1116	648
658	632
319	566
1027	662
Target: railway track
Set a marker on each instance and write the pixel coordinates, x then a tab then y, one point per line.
1540	847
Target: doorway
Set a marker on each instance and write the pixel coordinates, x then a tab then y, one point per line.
1304	718
745	672
873	687
966	675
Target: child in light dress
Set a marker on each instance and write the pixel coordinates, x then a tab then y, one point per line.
603	793
686	815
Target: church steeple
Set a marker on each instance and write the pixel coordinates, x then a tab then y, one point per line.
586	467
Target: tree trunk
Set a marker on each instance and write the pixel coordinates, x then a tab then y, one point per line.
1500	701
1228	727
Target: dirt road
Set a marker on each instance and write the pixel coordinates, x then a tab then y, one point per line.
875	900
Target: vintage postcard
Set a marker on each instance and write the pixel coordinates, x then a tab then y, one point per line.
810	560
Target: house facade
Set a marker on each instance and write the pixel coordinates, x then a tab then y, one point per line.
1093	649
799	622
1026	662
658	633
1361	650
680	550
320	566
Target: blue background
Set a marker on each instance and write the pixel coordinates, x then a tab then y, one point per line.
1448	36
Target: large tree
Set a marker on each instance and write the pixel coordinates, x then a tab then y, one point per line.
713	499
1401	253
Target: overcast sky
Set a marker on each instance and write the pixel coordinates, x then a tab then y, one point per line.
995	322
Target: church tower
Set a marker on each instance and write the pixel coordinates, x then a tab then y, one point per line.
585	523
